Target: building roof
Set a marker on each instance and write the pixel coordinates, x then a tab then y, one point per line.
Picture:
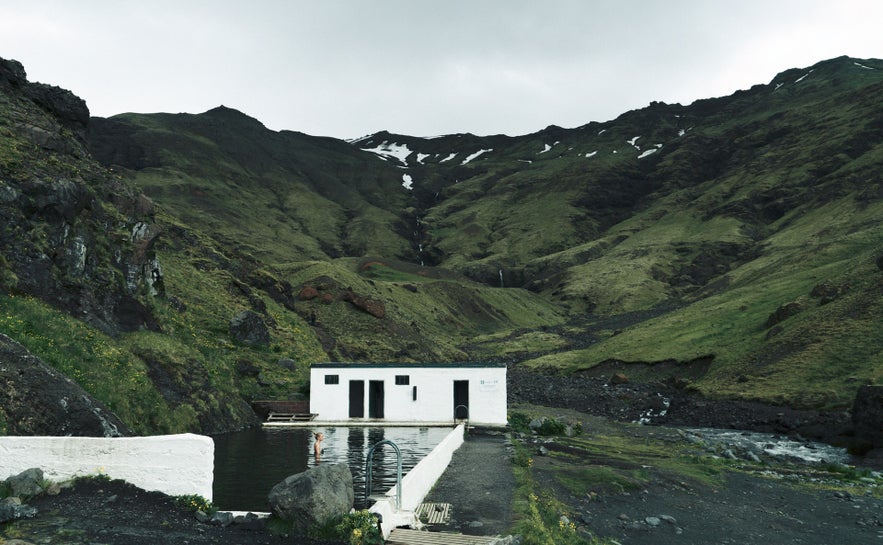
451	365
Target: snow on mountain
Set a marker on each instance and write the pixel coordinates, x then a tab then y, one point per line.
475	155
407	181
547	147
391	151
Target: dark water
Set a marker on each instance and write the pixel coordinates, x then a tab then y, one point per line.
250	462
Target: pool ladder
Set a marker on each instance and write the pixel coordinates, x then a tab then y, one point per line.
368	467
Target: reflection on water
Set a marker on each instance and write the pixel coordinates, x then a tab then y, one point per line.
250	462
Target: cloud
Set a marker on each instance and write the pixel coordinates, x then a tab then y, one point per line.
346	68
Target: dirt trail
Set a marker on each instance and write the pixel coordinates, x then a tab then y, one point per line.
479	484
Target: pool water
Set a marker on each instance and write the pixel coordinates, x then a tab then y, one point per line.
249	463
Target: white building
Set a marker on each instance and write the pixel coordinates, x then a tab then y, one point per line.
409	393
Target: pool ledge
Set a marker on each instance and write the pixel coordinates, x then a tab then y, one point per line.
417	484
378	423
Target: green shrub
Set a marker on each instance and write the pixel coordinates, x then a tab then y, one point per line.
550	426
194	502
519	422
357	528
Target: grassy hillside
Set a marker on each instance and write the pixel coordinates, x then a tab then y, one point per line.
738	237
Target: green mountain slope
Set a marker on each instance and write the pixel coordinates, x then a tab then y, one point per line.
204	261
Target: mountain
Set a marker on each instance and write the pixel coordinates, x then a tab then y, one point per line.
732	245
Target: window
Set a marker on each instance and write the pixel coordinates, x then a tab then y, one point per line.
403	380
332	379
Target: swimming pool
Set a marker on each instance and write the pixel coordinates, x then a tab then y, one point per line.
249	463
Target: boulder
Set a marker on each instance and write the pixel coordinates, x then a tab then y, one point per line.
26	484
371	306
307	293
249	328
619	378
11	509
867	414
314	496
783	313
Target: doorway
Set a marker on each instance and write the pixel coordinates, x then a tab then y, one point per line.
357	399
461	399
375	399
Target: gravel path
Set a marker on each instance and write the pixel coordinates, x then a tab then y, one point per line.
479	484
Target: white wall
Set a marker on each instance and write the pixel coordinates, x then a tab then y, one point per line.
435	387
417	483
173	464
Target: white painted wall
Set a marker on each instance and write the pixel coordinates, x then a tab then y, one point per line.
174	464
417	484
435	387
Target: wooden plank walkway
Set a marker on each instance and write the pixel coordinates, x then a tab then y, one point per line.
403	536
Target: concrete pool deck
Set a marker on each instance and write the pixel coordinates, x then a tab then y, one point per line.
368	423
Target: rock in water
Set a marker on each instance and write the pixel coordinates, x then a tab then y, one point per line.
314	496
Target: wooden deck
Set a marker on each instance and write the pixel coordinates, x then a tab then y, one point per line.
290	417
434	513
403	536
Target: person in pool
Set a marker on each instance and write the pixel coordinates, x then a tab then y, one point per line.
317	447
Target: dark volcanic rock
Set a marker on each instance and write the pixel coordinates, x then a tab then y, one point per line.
783	313
248	327
70	109
867	417
314	496
38	400
633	401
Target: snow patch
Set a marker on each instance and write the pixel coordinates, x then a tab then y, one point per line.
592	153
777	86
407	181
860	65
391	151
525	161
633	144
682	132
449	157
546	148
602	131
801	78
647	153
360	139
475	155
421	157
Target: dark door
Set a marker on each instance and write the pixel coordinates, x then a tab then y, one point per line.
357	399
375	399
461	399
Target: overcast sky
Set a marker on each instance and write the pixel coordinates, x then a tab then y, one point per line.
352	67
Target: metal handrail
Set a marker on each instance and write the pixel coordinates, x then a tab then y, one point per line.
368	468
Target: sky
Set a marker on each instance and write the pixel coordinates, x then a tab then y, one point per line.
348	68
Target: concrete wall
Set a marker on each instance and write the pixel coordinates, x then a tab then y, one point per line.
434	386
173	464
417	484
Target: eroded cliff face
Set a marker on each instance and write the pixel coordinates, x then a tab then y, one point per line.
74	235
38	400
